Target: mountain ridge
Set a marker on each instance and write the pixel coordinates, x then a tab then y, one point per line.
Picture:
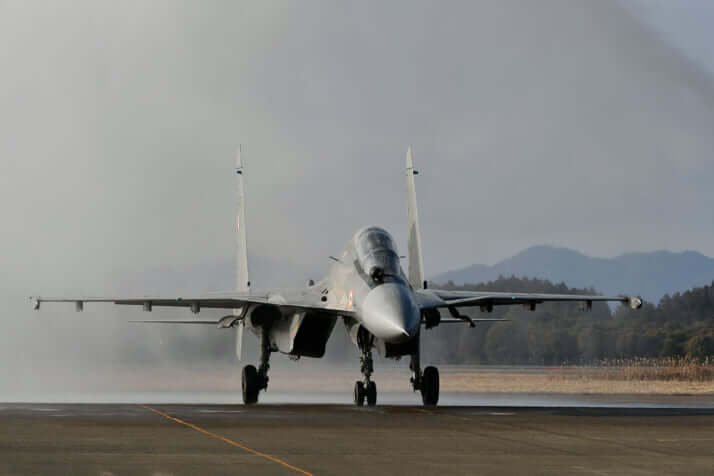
651	274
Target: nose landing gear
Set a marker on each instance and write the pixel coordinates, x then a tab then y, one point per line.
365	389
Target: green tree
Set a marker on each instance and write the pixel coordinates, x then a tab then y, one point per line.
700	347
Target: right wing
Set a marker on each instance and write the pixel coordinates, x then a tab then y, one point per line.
211	301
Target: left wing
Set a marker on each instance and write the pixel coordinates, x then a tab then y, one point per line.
434	299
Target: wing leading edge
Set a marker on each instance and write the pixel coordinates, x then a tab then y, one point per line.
229	301
435	299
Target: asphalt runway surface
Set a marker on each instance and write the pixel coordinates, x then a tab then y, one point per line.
284	439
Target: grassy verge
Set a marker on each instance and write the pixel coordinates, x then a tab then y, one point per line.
672	369
673	376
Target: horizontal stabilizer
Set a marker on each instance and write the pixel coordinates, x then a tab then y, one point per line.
461	321
215	323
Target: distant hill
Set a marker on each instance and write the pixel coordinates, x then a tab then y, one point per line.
651	275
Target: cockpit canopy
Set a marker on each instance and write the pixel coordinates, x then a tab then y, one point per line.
377	255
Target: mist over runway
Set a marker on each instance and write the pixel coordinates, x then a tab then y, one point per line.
314	381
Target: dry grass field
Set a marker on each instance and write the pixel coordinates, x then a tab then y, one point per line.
567	382
673	376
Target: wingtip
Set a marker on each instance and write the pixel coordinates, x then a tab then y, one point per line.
635	302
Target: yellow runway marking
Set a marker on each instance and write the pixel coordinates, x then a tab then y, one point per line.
226	440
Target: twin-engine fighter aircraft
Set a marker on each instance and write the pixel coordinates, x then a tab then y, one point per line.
381	306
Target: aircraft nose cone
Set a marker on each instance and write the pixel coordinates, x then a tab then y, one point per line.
390	313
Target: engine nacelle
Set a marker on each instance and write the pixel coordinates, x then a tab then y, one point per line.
264	315
302	334
432	317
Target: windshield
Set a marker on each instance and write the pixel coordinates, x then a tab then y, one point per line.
377	255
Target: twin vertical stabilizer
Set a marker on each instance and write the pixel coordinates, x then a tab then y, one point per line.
416	266
242	278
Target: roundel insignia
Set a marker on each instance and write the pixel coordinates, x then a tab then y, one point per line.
350	299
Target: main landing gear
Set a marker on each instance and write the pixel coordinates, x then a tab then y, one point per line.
254	380
365	389
427	382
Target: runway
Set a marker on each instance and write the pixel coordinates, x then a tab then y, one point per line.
284	439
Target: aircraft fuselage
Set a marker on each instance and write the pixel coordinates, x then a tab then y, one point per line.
368	282
368	279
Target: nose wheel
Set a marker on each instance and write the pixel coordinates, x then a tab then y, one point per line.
359	393
371	394
365	393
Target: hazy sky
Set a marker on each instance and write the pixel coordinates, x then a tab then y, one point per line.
554	122
685	23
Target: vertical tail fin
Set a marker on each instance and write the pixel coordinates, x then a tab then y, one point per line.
242	278
416	265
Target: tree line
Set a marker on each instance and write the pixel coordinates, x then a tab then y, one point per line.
556	333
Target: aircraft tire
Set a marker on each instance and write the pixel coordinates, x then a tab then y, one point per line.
249	384
430	386
359	393
371	392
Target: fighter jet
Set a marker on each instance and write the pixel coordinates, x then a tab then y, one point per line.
380	305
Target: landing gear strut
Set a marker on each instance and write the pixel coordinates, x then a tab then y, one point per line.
426	382
254	380
365	389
